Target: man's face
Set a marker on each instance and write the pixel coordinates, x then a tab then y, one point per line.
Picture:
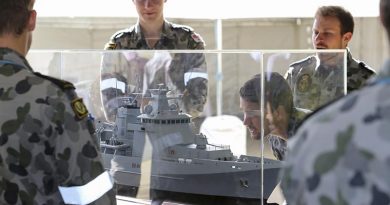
326	34
149	10
252	118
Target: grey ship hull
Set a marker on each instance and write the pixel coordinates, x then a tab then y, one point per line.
200	177
125	170
214	178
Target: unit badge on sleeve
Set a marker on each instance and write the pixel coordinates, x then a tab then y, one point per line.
196	38
79	108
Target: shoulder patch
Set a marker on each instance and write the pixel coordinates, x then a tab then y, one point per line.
303	62
110	46
64	85
79	108
196	37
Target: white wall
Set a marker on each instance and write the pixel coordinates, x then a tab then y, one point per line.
369	42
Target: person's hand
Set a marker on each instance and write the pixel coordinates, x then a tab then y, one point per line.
195	96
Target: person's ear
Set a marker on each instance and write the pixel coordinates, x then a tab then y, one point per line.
32	20
347	37
280	114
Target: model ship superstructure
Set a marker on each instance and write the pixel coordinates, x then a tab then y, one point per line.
182	161
171	133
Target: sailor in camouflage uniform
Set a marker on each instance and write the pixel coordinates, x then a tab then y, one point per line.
317	80
173	36
341	154
184	73
48	154
281	118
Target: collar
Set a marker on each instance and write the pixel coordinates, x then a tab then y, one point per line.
349	59
165	32
10	56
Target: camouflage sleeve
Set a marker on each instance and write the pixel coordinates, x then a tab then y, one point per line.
195	41
195	95
107	67
120	74
75	149
113	62
196	87
357	77
188	72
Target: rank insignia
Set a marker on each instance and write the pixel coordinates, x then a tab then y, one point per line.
304	83
79	108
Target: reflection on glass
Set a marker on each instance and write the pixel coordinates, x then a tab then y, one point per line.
183	73
166	97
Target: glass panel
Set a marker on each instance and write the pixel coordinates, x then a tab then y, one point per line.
173	127
297	83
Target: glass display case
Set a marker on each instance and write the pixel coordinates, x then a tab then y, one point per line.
172	125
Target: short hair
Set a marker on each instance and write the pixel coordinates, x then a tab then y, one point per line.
345	17
277	91
14	16
385	8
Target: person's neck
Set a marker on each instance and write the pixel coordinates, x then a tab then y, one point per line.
15	43
283	129
152	31
281	124
332	60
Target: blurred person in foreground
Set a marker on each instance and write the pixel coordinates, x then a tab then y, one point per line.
48	154
183	73
341	154
318	79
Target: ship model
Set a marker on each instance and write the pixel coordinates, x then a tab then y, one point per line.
183	162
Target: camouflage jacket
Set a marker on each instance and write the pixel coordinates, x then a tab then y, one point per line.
46	139
341	154
278	144
314	85
173	36
179	71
